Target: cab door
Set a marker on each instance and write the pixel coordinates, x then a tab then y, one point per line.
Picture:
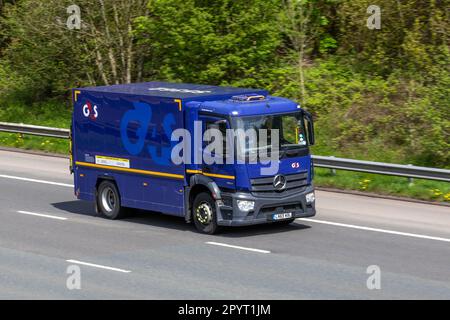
218	163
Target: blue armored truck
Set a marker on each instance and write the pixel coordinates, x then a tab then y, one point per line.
148	146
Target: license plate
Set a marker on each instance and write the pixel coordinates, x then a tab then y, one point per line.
282	216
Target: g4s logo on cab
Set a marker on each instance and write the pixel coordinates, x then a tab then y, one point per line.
142	115
90	111
295	165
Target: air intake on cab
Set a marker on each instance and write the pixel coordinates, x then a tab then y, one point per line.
248	98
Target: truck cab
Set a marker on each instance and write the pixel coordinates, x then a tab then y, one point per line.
247	192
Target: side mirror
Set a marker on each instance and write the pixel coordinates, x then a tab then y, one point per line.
309	128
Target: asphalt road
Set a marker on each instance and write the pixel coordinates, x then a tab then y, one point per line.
152	256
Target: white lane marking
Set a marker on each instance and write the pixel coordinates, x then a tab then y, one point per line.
237	247
37	181
406	234
98	266
42	215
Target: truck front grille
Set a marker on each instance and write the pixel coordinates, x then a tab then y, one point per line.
264	186
295	207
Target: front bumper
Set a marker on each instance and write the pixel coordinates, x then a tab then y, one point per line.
228	213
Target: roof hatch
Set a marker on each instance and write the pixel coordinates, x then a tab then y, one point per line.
248	98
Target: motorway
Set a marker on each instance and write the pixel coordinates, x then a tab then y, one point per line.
44	230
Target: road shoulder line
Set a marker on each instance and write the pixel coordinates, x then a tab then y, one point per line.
41	215
399	233
236	247
97	266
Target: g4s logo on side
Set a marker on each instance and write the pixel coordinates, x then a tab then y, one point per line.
90	111
142	115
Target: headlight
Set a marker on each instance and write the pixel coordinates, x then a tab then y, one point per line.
245	205
310	197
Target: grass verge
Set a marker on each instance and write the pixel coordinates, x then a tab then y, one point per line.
385	185
49	114
27	142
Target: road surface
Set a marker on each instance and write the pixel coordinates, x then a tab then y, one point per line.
45	232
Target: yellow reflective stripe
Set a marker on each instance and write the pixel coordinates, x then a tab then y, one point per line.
194	171
179	103
214	175
76	93
151	173
222	176
70	151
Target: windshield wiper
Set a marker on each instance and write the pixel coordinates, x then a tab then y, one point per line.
292	150
287	150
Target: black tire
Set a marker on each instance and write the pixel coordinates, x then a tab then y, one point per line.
108	200
204	213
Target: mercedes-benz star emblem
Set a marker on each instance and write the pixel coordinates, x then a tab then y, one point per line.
279	182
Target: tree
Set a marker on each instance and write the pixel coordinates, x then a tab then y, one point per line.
213	42
51	58
3	35
412	37
302	22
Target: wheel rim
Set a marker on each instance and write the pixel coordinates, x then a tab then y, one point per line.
204	213
109	200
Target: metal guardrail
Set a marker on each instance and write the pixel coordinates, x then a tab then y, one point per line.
34	130
399	170
391	169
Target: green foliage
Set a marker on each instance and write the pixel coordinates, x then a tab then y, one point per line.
327	44
359	115
213	42
380	95
39	52
47	58
412	38
385	185
49	113
51	145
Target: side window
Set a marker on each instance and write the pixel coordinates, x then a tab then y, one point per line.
220	125
293	132
290	129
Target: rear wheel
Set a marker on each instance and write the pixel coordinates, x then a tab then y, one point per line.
108	200
204	212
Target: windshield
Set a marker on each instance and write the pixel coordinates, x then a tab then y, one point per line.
291	133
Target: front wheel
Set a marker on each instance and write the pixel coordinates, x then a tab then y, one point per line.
108	200
204	212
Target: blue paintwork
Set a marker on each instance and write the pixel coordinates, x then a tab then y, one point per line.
125	128
271	105
135	122
184	91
